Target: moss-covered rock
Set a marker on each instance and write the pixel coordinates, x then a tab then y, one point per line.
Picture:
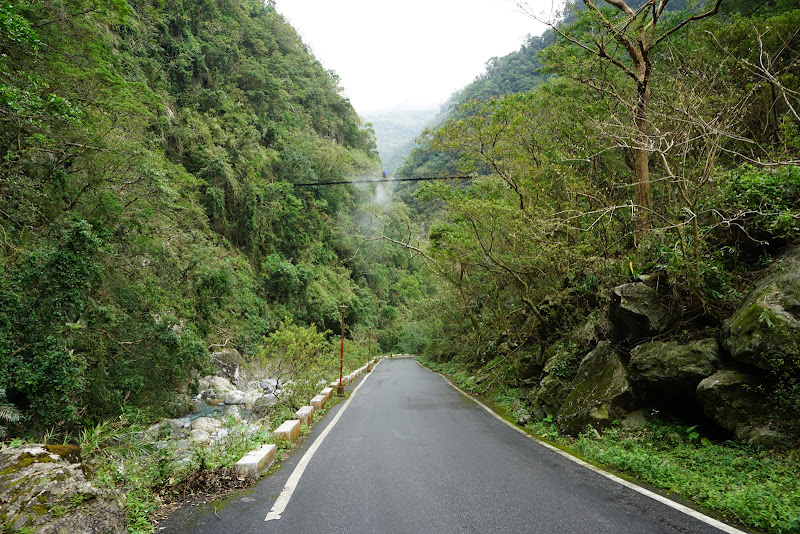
601	392
552	393
731	398
530	364
45	491
671	369
765	330
636	313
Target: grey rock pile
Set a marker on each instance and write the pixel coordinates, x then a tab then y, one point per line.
631	358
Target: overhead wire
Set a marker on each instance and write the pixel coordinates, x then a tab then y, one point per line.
386	180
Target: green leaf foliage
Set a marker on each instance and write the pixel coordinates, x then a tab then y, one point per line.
147	206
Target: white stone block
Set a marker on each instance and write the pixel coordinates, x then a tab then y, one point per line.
327	393
318	402
305	414
288	431
254	462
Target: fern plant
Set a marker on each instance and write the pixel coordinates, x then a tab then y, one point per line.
8	413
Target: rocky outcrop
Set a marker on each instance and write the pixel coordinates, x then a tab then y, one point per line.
227	361
635	313
601	392
731	398
552	393
672	369
530	364
765	330
739	379
45	492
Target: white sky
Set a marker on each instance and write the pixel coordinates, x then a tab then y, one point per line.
408	54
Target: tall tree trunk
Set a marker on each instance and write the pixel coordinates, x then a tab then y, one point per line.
641	163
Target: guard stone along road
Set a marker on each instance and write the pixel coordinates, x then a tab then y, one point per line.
411	454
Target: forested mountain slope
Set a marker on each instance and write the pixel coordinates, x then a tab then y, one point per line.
147	206
560	171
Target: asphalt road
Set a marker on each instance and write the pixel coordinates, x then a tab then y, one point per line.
411	454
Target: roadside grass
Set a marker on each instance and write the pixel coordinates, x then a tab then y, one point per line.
760	488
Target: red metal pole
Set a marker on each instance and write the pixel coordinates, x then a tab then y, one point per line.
340	389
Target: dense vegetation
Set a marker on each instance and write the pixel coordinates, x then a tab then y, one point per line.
676	161
521	249
148	212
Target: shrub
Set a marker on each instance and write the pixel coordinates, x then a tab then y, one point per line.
766	201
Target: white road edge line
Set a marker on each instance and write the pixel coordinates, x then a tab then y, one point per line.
286	493
647	493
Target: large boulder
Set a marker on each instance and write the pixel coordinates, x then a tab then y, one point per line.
207	424
220	385
765	330
235	412
227	361
199	436
731	398
43	489
552	393
262	405
530	364
251	395
601	392
636	313
671	369
234	397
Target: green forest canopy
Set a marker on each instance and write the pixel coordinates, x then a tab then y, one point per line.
554	207
147	207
